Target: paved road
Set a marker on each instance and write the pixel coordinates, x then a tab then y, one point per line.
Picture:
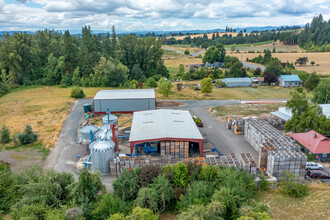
63	156
170	49
253	66
220	137
197	53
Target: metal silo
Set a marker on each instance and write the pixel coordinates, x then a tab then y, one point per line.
101	153
85	133
104	133
113	119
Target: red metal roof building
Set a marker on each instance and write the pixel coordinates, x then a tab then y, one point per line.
315	143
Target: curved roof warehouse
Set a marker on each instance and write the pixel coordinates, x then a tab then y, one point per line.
124	100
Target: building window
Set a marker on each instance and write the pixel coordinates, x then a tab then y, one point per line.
324	155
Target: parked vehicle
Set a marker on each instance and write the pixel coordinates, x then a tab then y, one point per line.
317	174
313	166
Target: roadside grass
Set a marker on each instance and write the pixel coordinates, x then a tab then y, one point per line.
314	206
247	109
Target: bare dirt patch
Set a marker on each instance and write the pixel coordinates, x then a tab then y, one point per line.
19	161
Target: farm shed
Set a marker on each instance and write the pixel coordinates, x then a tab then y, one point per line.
165	125
124	100
289	81
314	143
285	113
237	82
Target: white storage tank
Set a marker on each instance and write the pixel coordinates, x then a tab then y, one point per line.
104	133
113	119
101	153
85	135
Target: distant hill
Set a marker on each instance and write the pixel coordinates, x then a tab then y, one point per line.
102	32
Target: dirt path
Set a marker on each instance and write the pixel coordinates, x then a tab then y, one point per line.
18	161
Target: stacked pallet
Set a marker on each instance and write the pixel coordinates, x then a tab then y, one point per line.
248	163
231	160
176	149
236	125
279	162
259	133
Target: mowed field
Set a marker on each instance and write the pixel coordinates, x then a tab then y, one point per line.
209	35
322	60
172	64
242	93
184	47
314	206
279	46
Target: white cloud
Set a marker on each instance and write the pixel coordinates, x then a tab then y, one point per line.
138	15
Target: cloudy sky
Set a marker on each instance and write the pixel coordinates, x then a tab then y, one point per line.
155	15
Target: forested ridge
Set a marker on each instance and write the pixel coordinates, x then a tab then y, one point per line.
50	57
315	37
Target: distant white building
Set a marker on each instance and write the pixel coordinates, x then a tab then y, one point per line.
286	114
289	81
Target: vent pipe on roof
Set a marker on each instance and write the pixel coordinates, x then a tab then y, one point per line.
315	135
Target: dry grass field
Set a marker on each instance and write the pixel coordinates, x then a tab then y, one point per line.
44	108
320	59
279	46
208	35
315	206
173	64
184	47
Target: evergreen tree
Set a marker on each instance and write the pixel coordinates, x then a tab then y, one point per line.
4	135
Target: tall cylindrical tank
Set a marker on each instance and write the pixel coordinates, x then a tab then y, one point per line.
104	133
85	135
113	119
102	152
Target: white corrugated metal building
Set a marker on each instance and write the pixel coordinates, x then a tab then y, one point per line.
124	100
286	114
164	124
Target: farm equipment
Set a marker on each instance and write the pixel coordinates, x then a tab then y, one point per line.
216	150
145	148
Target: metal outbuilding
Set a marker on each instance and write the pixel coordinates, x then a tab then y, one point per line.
124	100
164	124
237	82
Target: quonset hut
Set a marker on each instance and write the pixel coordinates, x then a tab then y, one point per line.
124	100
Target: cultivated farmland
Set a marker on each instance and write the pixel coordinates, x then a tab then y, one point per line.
322	60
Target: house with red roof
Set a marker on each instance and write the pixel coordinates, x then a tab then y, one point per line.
314	143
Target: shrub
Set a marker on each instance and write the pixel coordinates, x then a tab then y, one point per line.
186	52
312	81
4	135
209	173
292	188
214	211
74	213
126	187
117	216
77	93
194	170
139	213
147	174
109	205
152	83
164	190
181	175
147	198
263	184
230	201
165	88
206	85
28	136
198	193
134	84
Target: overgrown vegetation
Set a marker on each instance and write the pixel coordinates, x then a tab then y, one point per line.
77	93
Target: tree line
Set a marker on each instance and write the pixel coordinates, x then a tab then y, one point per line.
315	37
50	57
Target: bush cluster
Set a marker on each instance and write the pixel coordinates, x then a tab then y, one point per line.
28	136
77	93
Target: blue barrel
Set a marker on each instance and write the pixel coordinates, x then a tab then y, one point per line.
87	108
